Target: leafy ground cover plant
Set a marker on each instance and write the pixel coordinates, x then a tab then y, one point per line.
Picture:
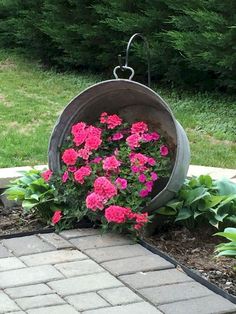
229	248
35	193
203	200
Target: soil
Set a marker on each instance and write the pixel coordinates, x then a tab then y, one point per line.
195	249
14	221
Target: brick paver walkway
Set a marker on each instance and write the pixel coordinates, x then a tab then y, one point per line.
80	271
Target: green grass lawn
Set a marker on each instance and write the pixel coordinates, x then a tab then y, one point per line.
31	99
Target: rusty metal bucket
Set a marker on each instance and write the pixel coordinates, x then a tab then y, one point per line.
132	101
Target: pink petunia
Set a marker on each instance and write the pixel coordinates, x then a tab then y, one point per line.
103	117
139	127
133	141
121	183
149	186
139	159
111	163
113	121
155	136
116	214
84	153
56	217
46	175
82	173
117	136
135	169
104	187
146	137
96	160
78	128
164	150
154	176
94	201
142	178
72	168
69	157
92	142
151	161
65	176
80	138
143	193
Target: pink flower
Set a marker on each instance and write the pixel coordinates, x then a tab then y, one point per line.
103	187
121	183
80	137
149	186
65	177
72	168
116	152
113	121
154	176
117	136
139	159
141	220
133	141
56	217
92	142
69	156
111	163
135	169
116	214
46	175
139	127
78	128
142	178
147	137
96	160
103	117
155	136
151	161
143	193
93	131
84	153
164	150
94	201
81	173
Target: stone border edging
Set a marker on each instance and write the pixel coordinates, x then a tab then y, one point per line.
189	272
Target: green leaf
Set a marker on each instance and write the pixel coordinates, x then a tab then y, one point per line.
166	211
226	187
227	253
184	213
28	205
205	180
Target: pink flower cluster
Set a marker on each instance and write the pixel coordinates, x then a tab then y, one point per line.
108	153
119	215
46	175
103	191
112	121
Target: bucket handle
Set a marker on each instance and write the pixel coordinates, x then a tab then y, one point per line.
125	66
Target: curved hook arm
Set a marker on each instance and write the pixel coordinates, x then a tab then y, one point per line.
147	49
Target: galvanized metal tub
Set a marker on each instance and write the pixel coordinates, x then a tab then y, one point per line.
133	102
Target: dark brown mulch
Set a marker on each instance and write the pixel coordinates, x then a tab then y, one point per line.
14	221
195	249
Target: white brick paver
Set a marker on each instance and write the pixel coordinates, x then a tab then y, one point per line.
80	271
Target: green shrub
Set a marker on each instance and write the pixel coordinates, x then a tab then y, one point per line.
191	41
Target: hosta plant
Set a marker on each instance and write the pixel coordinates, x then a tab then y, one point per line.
108	172
229	248
35	193
203	200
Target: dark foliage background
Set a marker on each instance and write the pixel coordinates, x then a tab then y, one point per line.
193	42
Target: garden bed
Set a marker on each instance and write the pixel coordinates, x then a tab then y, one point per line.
195	250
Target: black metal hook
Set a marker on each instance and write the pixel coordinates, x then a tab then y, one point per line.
125	66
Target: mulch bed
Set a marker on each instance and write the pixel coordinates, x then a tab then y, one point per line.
194	249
